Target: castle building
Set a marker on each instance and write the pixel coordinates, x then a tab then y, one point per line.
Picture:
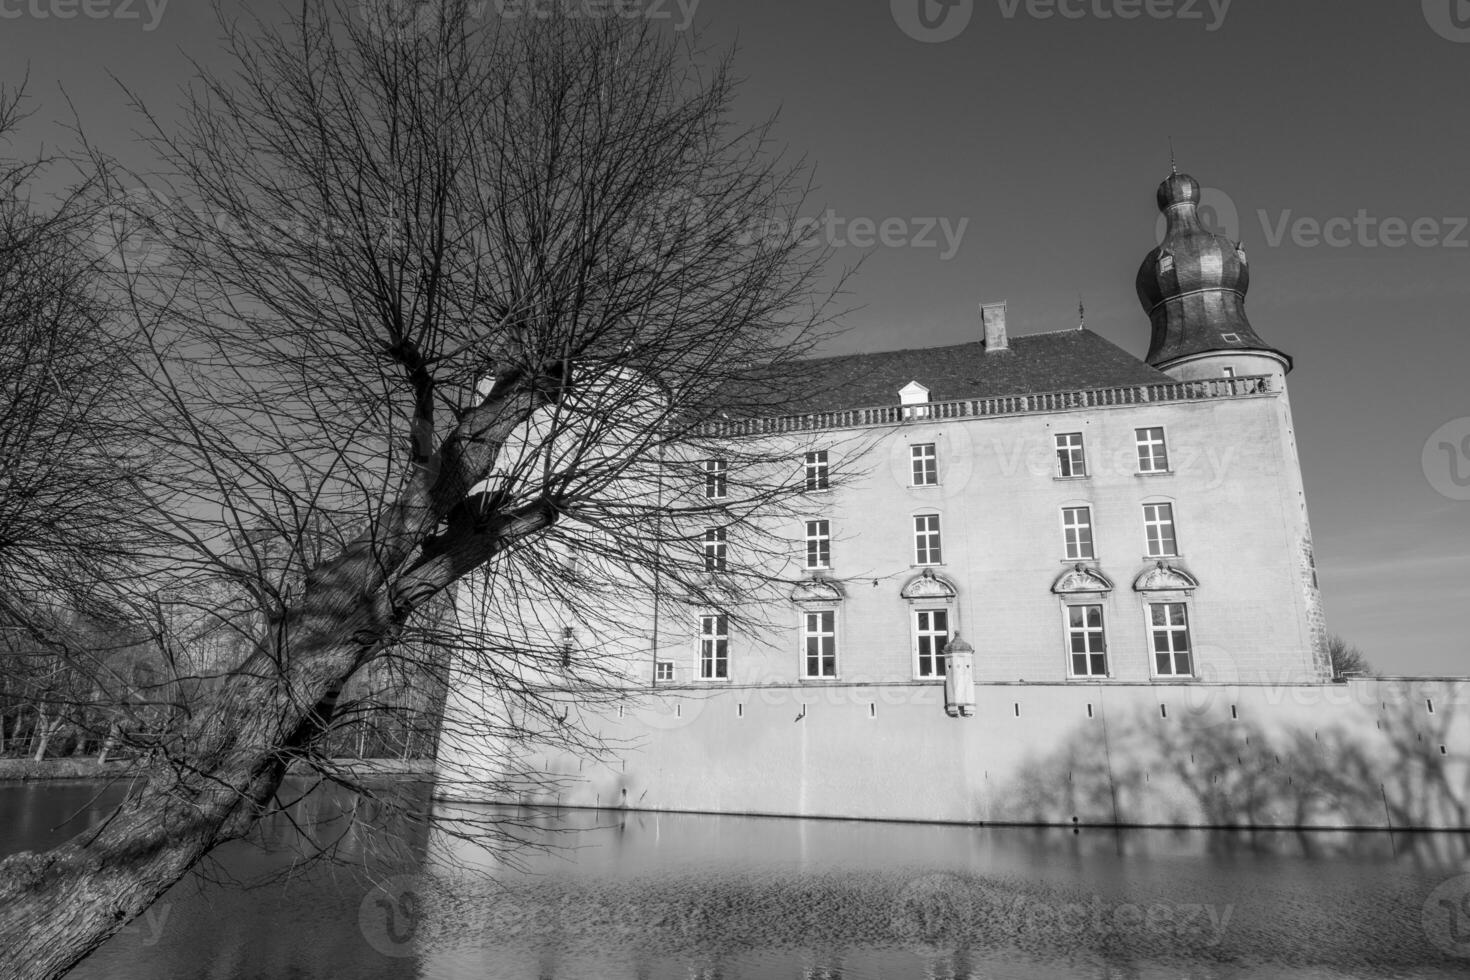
1058	584
1073	512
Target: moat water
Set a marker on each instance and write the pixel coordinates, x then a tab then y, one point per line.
603	895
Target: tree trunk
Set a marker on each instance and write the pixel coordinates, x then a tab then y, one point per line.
58	906
107	744
45	729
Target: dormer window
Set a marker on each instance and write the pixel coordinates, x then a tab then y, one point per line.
1166	262
915	400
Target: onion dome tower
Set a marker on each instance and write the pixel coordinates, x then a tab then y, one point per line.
1193	288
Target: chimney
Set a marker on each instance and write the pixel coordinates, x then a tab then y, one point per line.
994	315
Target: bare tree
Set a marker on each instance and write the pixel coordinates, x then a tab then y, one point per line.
423	302
1347	660
69	459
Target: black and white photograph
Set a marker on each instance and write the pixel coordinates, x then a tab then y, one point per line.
734	490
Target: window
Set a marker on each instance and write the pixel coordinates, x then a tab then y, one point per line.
1170	627
1077	532
1158	528
926	539
1086	641
926	465
1153	455
816	470
1228	372
818	544
931	633
714	647
714	478
663	670
819	642
714	549
1071	460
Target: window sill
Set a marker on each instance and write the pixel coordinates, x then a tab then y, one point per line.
1072	479
1143	474
1174	679
924	486
1083	561
1158	558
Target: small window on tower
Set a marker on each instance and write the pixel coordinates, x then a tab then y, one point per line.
1230	338
1166	262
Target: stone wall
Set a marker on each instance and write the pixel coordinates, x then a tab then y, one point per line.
1362	754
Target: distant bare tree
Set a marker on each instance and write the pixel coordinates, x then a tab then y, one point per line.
1348	661
421	302
69	458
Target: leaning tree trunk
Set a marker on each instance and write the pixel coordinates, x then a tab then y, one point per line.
58	906
45	729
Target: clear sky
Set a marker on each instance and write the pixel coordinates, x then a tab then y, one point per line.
1336	131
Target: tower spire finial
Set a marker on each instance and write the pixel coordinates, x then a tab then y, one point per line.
1173	167
1081	313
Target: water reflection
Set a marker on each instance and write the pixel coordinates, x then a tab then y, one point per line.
610	894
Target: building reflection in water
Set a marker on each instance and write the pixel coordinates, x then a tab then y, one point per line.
605	895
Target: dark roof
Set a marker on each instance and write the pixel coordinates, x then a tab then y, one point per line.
1062	361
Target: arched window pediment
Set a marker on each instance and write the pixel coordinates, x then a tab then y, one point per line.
927	585
1081	578
818	590
1163	577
